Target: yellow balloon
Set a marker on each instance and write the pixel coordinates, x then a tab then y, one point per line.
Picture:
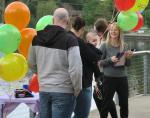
13	67
139	5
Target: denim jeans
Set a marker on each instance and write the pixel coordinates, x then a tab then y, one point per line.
56	105
83	103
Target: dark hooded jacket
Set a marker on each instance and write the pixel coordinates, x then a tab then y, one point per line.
55	56
90	56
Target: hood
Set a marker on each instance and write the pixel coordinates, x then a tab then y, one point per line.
50	34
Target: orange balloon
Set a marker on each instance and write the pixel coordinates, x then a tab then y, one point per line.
34	84
17	14
27	35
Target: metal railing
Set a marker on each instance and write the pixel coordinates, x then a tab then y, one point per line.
139	73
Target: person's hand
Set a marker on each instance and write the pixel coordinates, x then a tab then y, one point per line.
114	59
128	54
98	93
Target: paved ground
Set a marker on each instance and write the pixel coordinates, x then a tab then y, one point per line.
139	107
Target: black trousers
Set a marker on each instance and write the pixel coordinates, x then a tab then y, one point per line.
99	103
110	86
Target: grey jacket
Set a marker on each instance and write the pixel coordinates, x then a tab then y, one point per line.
55	57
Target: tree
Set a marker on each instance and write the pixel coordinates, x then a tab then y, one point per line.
90	9
76	4
146	15
42	8
45	8
94	9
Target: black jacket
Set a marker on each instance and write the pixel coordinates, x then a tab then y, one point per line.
89	56
55	56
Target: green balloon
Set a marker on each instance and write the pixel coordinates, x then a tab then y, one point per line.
43	22
127	20
10	38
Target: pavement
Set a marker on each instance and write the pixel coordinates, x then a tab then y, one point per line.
139	107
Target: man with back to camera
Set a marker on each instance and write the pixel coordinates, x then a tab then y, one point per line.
55	57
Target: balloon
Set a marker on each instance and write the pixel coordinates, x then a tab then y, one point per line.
34	84
141	11
139	5
9	38
140	22
43	22
124	5
1	54
13	67
17	14
27	35
127	21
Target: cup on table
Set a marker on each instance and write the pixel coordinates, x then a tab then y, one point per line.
26	86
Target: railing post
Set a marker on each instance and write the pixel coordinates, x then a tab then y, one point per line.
145	58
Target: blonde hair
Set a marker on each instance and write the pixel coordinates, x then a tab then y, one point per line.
120	37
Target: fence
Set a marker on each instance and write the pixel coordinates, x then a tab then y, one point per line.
139	73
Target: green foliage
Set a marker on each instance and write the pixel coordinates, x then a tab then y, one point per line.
72	1
0	17
147	17
76	4
45	8
33	8
89	9
41	8
94	9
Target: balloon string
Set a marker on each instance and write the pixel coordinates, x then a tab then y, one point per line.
112	20
113	14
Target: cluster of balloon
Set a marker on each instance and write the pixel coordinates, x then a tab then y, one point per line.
34	84
14	66
130	17
18	15
15	36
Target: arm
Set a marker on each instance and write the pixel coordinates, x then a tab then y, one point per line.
97	73
128	62
87	53
128	55
32	59
104	60
75	68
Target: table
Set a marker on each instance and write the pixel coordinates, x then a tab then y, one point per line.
8	104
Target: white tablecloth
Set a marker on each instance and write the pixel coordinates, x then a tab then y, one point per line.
8	104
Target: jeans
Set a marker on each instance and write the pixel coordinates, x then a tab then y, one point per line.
56	105
83	103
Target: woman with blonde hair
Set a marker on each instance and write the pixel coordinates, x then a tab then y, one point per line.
101	27
115	58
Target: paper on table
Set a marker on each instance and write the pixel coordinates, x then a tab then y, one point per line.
121	62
